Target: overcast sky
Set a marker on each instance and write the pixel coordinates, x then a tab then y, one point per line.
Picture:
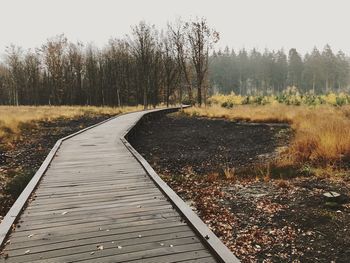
301	24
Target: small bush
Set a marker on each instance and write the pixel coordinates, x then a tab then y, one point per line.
289	97
188	101
18	182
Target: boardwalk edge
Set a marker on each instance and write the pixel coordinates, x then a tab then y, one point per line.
16	209
207	236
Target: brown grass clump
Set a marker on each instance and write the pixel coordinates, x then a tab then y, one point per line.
254	113
322	133
322	137
230	173
13	117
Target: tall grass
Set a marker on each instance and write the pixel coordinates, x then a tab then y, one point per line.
12	117
289	97
322	133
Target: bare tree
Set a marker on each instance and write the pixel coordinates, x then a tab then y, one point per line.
92	85
178	36
14	60
53	53
74	73
143	47
201	39
32	71
171	68
4	78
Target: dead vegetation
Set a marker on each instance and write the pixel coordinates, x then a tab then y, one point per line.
13	118
216	166
321	133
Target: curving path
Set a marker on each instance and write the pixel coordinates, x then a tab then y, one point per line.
99	201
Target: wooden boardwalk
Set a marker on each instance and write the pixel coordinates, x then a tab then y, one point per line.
96	202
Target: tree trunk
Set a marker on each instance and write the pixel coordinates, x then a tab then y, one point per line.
199	95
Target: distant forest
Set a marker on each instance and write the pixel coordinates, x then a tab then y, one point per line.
270	72
152	66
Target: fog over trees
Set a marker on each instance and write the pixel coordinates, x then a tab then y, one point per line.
270	72
152	66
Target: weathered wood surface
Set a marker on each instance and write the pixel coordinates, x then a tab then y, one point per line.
96	203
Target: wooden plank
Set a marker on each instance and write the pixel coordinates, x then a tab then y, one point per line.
111	218
17	207
78	247
199	256
95	232
96	239
83	199
64	213
94	214
122	191
106	180
100	224
91	191
113	228
132	246
116	255
95	192
88	189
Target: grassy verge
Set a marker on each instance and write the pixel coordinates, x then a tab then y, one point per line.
322	133
12	118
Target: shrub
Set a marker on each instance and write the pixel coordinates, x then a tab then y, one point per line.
18	182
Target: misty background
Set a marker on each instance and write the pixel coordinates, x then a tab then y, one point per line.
272	24
150	52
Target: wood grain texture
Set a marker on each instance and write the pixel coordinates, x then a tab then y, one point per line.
95	202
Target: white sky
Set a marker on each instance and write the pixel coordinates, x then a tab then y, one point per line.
301	24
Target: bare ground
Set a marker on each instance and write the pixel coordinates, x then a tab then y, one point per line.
215	166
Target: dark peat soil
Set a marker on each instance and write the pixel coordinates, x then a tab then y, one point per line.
260	220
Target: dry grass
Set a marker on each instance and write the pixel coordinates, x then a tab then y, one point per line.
255	113
322	133
12	117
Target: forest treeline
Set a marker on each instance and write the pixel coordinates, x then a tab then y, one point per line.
270	72
152	66
148	67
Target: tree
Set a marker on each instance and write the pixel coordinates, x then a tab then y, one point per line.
342	71
256	70
32	79
92	75
313	70
329	66
143	46
54	55
14	61
201	39
150	68
171	67
268	60
280	70
295	68
243	69
178	37
4	92
74	74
